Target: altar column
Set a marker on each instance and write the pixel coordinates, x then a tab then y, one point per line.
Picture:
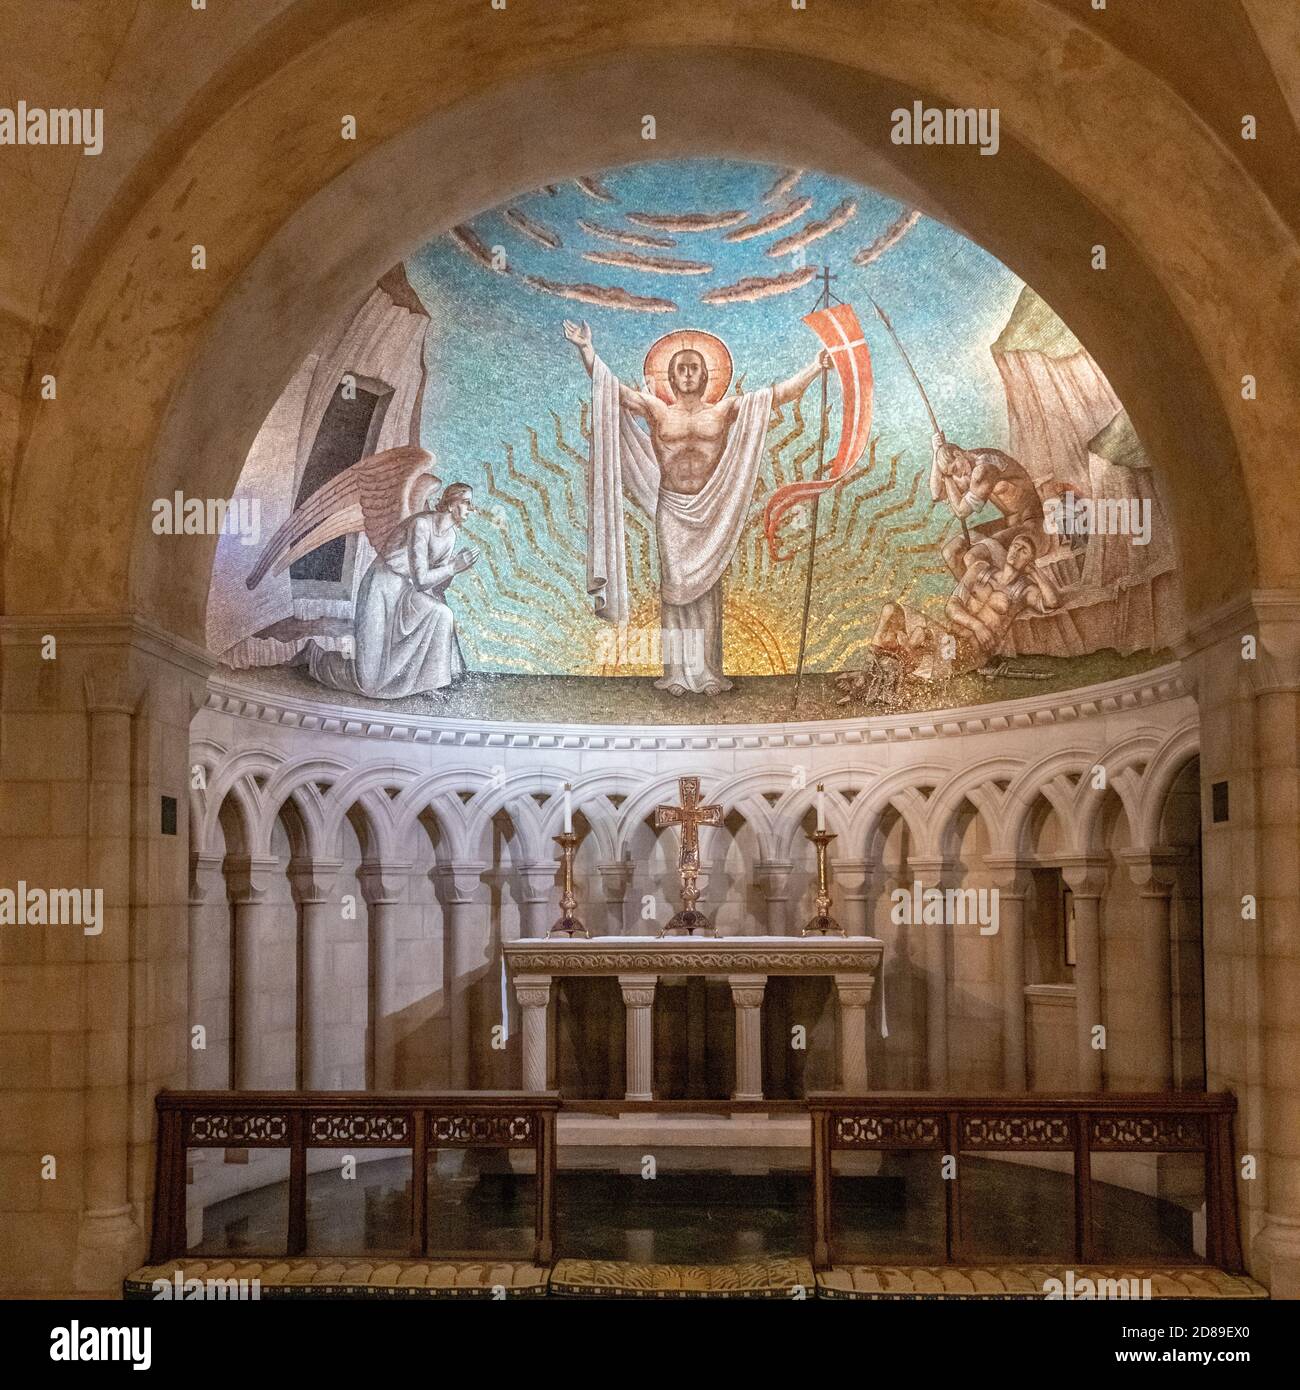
250	879
747	999
615	880
534	995
384	886
536	887
638	1002
1012	881
774	879
466	956
1086	878
929	873
854	994
311	881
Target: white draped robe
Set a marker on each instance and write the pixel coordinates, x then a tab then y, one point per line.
697	533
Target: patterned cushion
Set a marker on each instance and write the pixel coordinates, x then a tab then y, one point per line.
324	1277
1023	1281
772	1278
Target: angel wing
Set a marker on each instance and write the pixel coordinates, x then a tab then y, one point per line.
371	496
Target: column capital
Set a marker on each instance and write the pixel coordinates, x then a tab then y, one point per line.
932	870
773	877
532	991
638	990
312	879
854	991
109	692
1084	874
616	879
1154	870
855	878
459	882
537	880
383	883
205	876
1010	874
747	990
250	877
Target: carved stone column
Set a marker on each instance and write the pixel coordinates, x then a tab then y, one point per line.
1154	872
534	995
467	952
773	877
311	881
852	882
747	999
108	1228
1086	878
930	874
638	1003
1011	878
207	887
251	880
854	995
536	892
615	880
384	888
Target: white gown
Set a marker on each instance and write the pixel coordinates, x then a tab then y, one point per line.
405	634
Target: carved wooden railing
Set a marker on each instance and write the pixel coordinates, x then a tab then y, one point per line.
302	1120
1078	1125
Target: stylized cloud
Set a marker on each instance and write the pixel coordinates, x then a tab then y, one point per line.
759	287
606	296
687	221
624	238
472	244
783	185
814	231
769	222
594	188
891	236
540	233
655	265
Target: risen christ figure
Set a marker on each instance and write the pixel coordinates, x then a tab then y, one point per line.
694	473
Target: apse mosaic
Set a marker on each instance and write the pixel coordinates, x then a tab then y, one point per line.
697	441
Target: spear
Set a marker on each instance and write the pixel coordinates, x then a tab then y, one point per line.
929	409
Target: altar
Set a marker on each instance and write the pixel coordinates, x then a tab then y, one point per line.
641	963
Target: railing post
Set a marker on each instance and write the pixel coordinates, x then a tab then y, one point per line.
419	1181
297	1182
168	1236
545	1164
954	1241
821	1188
1083	1242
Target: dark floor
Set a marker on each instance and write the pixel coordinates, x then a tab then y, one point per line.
479	1206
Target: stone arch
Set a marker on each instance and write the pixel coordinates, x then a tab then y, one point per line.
817	90
1162	772
901	790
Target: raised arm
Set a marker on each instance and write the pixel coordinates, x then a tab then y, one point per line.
579	334
795	386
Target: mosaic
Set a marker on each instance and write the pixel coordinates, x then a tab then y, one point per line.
698	441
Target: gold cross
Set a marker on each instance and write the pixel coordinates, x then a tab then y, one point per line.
690	815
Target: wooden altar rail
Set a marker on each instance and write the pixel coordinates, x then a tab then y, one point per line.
1080	1125
302	1120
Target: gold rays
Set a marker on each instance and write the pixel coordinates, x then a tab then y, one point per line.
524	607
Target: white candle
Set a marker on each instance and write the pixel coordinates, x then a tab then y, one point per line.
568	810
821	807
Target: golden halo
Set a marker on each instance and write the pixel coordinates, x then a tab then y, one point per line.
717	358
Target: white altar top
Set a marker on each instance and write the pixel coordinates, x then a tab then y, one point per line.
695	955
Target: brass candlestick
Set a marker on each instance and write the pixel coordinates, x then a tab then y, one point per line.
823	924
568	925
